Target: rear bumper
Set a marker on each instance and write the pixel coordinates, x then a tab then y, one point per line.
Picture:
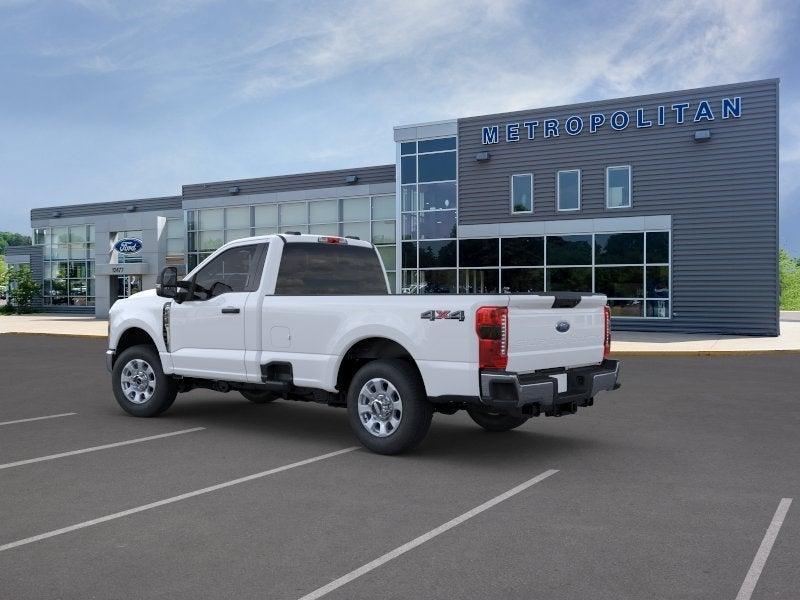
537	393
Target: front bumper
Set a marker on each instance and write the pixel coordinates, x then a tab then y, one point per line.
537	393
110	360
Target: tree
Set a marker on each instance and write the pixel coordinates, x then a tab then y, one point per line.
790	280
3	272
22	289
8	238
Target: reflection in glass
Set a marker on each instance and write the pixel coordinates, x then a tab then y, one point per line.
523	281
437	224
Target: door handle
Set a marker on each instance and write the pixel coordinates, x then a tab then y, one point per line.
229	310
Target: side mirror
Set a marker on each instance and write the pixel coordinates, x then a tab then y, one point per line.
167	282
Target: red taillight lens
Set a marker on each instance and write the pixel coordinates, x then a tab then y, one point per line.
607	334
491	325
329	239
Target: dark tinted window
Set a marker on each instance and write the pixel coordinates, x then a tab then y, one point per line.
569	250
478	253
619	248
408	164
657	282
658	247
523	281
436	167
234	269
619	282
523	252
569	280
409	255
437	254
408	148
437	145
317	269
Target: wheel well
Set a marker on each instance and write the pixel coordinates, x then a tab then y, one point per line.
365	351
133	337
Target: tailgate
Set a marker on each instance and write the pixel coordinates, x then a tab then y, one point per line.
543	337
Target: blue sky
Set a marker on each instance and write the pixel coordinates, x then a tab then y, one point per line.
103	100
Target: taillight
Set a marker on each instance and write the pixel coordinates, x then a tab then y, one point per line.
607	334
491	325
330	239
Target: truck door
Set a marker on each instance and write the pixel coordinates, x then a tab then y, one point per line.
207	331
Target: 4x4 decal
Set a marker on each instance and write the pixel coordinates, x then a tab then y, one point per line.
433	315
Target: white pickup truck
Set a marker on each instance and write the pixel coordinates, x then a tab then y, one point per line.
305	317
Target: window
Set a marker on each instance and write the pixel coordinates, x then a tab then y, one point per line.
522	193
437	196
233	269
437	254
329	270
618	187
437	224
176	242
478	253
478	281
68	265
437	281
568	190
569	250
523	281
619	248
428	203
523	252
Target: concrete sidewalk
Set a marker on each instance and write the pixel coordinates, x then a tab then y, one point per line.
54	324
624	342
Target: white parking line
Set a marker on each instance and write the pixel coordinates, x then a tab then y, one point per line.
345	579
751	579
29	461
138	509
37	418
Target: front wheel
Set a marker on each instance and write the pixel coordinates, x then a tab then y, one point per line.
387	406
494	421
140	386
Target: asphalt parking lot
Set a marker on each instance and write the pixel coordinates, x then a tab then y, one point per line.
668	488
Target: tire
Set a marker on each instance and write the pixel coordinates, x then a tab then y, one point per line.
139	383
379	422
494	421
257	397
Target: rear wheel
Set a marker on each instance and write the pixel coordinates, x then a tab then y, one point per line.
495	421
140	386
387	407
257	397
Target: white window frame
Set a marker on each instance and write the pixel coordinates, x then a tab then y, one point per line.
558	190
511	196
630	186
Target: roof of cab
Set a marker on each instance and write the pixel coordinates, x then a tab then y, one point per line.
301	237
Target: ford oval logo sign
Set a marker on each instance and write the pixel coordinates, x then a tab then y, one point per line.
562	326
128	246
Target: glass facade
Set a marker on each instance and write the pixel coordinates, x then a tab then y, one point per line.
429	208
370	218
68	265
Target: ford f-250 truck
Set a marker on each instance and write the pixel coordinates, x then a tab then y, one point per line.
307	317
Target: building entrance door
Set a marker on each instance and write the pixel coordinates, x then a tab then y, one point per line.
123	286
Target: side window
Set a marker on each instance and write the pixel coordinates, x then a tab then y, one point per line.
315	269
235	270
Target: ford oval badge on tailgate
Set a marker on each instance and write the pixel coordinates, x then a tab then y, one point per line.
562	326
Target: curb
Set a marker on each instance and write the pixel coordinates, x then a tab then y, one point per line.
634	353
88	336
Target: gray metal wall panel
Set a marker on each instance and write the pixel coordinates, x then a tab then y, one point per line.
722	195
107	208
35	262
280	183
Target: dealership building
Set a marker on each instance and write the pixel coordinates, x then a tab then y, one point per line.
667	203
